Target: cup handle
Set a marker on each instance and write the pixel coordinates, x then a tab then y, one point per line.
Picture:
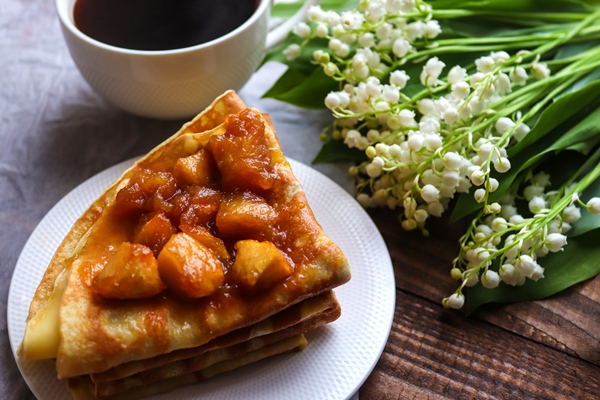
280	32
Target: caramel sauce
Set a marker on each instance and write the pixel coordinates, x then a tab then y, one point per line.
240	201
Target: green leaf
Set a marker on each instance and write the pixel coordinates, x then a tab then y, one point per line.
336	150
574	48
516	6
579	261
582	137
339	5
309	93
557	113
285	10
579	84
285	83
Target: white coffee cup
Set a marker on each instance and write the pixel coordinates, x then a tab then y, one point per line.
179	83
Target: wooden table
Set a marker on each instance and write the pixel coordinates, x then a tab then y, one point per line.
55	132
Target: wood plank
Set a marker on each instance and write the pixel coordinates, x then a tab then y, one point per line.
434	353
568	321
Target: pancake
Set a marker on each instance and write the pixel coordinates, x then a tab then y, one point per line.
80	387
296	320
205	239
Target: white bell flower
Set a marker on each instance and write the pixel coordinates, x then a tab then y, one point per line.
571	214
532	191
430	193
434	67
500	57
541	179
401	47
518	76
593	205
292	51
415	30
485	64
426	107
504	124
555	242
509	274
432	29
520	132
536	204
366	39
302	29
399	79
537	274
525	265
321	30
490	279
540	70
332	101
315	14
455	301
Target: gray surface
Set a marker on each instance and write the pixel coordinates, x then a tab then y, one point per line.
55	132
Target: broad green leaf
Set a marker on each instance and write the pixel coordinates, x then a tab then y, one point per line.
336	150
339	5
583	136
557	113
286	82
573	48
516	6
585	80
285	10
579	261
311	92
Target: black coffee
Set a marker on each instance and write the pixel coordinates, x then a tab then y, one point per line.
160	24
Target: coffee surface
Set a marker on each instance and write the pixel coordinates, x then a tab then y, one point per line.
160	24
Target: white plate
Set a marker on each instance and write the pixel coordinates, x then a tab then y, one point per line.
340	356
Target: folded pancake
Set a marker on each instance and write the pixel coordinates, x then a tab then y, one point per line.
296	320
81	387
207	235
309	313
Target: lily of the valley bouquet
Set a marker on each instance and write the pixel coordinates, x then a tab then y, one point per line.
488	109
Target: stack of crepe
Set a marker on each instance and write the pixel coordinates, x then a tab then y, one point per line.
131	348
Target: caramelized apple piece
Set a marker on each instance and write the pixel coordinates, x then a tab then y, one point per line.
245	215
258	265
197	169
189	268
147	190
131	273
242	154
205	237
154	230
197	205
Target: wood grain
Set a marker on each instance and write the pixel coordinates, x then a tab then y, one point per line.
434	353
568	321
